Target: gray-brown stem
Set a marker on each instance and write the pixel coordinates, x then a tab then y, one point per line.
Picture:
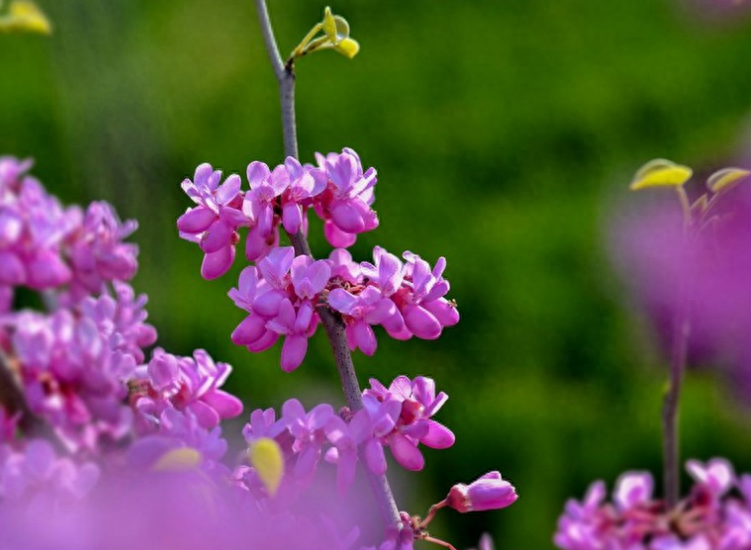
332	322
12	397
671	454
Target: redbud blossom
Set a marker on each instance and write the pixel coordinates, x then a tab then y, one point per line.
489	492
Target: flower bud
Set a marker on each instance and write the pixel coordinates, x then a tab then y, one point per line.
490	492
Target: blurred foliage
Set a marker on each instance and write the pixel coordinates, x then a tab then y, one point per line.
503	133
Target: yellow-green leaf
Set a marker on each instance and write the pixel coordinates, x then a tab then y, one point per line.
266	457
725	179
348	47
329	24
659	173
24	15
178	460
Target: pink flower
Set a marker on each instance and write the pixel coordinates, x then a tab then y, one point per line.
305	183
345	205
213	223
416	402
712	517
489	492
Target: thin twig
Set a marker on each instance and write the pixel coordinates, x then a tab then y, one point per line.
332	322
678	357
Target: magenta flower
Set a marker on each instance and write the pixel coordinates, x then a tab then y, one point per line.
308	277
305	183
489	492
414	425
177	429
297	325
309	432
717	475
387	272
369	307
258	206
263	423
343	267
713	516
97	251
36	472
423	307
73	374
214	222
186	384
348	438
345	206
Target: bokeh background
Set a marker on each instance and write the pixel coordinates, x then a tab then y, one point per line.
504	133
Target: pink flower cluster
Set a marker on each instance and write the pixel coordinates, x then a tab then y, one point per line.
281	294
190	384
80	365
46	246
73	364
179	403
398	417
31	471
338	190
715	516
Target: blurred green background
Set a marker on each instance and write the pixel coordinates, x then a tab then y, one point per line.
503	133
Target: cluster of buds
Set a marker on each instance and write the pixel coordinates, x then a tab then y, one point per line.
73	363
80	366
45	246
716	514
398	417
338	190
288	295
282	293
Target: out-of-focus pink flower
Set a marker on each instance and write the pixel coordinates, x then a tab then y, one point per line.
700	261
712	517
186	384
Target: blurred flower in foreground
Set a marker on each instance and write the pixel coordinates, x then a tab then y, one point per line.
718	10
716	514
24	16
696	248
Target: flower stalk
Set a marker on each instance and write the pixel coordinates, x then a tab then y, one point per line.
670	411
333	324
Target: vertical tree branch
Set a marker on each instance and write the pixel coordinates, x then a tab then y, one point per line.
332	323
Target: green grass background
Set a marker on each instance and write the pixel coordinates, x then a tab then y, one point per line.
503	133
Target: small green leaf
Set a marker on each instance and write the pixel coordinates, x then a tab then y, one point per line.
661	173
723	180
329	24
